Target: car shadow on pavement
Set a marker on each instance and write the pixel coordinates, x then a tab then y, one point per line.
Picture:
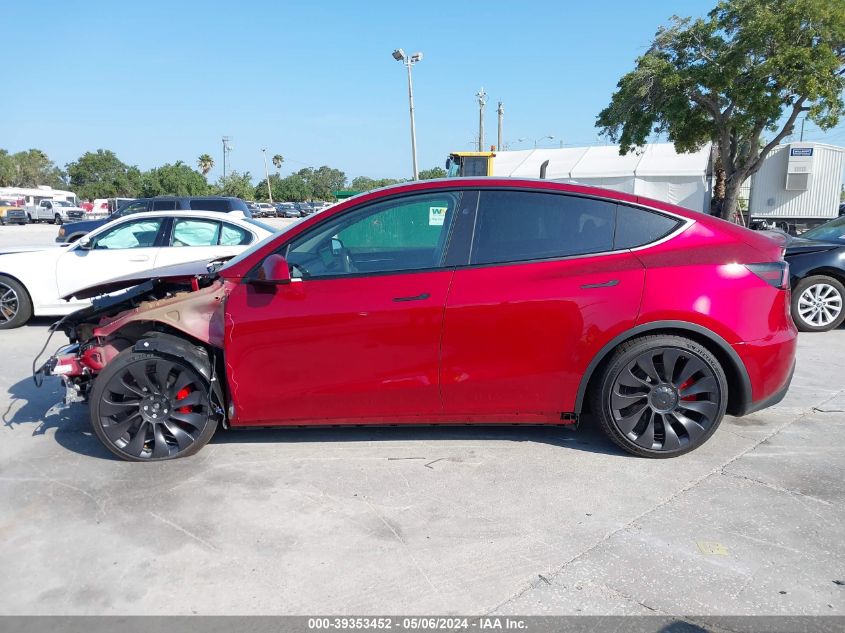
37	409
587	438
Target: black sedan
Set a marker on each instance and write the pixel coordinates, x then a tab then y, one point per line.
817	276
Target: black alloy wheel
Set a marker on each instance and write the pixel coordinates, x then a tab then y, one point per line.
151	407
661	396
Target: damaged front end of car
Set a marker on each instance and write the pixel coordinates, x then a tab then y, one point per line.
177	314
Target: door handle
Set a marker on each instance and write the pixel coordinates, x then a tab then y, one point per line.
140	258
604	284
424	295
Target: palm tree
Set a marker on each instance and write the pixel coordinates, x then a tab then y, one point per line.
278	159
205	162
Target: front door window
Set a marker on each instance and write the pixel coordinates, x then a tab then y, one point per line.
398	235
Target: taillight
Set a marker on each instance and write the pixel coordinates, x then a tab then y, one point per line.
773	273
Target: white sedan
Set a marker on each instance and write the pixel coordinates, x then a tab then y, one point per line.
33	282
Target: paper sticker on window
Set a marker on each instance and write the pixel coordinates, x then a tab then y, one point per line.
436	216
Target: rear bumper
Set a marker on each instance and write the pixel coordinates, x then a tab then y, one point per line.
772	399
770	365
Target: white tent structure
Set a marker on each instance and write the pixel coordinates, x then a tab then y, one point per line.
655	171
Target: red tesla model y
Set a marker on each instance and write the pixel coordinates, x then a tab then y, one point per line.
453	301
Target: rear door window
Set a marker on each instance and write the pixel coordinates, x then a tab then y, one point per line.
190	232
514	226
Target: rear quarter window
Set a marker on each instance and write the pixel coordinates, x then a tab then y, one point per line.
639	227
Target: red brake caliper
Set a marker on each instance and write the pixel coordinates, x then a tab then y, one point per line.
183	393
686	384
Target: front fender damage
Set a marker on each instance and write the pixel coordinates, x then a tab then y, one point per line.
197	313
98	333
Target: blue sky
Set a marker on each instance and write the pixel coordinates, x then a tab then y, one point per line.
163	81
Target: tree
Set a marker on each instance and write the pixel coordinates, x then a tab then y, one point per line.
294	188
177	179
752	66
205	162
102	174
323	181
236	184
7	169
278	159
29	169
434	172
364	183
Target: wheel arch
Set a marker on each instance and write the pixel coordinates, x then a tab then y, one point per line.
825	271
204	358
739	399
21	282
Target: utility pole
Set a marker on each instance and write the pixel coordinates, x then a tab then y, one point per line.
226	149
267	175
802	128
501	112
482	101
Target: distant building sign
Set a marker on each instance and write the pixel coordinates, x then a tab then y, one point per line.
801	151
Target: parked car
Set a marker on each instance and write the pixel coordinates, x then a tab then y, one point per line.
266	210
72	232
817	275
480	300
55	211
32	282
288	210
304	209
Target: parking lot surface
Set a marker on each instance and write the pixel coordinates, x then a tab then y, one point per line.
465	520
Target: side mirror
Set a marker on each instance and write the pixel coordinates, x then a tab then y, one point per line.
274	270
85	244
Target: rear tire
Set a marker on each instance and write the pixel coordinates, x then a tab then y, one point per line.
15	303
151	407
660	396
817	304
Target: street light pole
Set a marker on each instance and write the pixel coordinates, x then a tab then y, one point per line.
410	60
226	148
482	101
267	175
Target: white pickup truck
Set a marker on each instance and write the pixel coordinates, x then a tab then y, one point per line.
55	211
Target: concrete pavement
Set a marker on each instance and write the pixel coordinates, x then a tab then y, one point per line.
407	520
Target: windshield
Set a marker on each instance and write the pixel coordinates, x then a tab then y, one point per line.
62	203
833	231
248	252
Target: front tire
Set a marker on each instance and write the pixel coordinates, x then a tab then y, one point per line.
57	219
15	303
817	304
660	396
151	407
